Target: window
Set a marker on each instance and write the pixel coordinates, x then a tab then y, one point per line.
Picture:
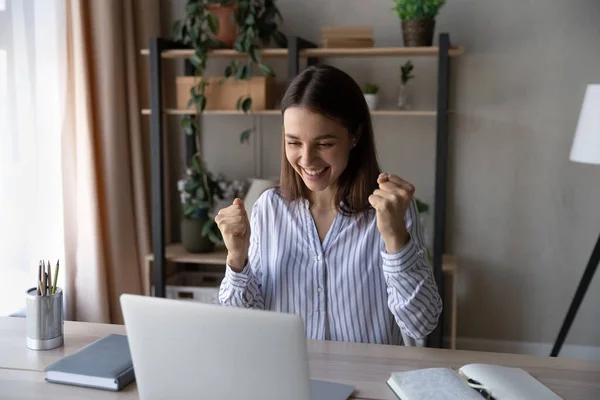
32	62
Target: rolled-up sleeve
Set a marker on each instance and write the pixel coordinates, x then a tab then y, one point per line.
243	289
413	296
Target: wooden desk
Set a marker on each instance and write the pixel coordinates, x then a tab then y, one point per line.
365	366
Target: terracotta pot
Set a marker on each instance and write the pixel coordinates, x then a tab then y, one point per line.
191	236
416	33
227	29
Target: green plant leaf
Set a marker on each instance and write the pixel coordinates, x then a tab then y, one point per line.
196	165
176	30
191	102
200	193
247	104
266	70
250	20
193	7
195	60
242	72
189	125
245	135
238	105
254	54
208	227
213	23
189	210
200	102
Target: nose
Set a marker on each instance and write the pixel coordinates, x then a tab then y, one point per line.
307	156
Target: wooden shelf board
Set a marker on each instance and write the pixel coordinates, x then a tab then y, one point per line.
322	52
176	253
378	52
408	113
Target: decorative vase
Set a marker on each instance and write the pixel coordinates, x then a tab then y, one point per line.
191	235
403	98
418	32
227	33
372	100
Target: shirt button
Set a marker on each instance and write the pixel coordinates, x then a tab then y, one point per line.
318	258
320	290
420	253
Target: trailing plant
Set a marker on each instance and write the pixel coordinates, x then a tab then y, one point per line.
418	9
198	190
257	27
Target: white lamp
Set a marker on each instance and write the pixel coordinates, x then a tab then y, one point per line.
586	143
585	149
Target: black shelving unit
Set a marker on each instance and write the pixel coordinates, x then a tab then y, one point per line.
295	45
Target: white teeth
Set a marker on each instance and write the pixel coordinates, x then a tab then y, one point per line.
314	173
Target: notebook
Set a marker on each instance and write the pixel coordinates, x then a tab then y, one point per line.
103	364
470	382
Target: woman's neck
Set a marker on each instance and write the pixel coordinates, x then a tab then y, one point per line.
323	200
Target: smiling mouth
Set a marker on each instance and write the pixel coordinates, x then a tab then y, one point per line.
315	173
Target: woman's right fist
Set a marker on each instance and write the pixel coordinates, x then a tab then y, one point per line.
235	228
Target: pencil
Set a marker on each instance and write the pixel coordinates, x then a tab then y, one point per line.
55	277
49	278
39	277
41	284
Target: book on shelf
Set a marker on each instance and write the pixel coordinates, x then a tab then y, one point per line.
470	382
347	43
346	32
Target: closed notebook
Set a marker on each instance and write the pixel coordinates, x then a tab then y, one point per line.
471	382
103	364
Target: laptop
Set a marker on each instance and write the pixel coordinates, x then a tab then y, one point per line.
183	350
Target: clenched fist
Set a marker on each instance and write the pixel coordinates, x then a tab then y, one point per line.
235	228
391	201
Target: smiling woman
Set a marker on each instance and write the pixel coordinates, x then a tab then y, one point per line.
338	243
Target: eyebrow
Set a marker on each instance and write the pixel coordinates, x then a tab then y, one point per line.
320	137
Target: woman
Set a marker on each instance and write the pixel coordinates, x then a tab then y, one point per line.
338	243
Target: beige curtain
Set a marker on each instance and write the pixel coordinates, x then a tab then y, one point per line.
105	154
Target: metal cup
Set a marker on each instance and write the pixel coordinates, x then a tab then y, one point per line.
44	320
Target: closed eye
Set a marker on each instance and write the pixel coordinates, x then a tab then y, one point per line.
326	145
293	143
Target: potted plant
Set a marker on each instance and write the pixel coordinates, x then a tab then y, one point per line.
198	191
418	20
256	26
370	92
405	76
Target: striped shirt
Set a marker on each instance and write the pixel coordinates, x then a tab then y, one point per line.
347	288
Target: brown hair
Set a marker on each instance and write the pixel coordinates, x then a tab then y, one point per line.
332	93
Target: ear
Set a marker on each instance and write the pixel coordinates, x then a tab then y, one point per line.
357	135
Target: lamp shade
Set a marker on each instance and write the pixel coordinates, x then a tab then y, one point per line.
586	143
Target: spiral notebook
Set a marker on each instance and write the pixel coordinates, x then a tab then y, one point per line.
470	382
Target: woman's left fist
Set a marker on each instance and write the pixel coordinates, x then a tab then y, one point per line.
391	201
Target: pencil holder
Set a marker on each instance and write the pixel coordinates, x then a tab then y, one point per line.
44	320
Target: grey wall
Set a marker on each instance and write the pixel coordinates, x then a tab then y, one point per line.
522	218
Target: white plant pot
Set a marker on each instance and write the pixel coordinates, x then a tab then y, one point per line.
372	100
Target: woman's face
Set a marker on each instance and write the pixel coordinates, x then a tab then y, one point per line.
318	148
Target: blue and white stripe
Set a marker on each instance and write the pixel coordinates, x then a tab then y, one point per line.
346	289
